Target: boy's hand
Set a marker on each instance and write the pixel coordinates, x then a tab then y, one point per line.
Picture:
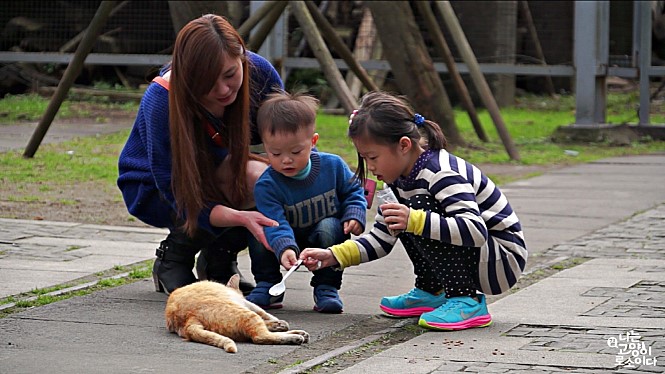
396	215
352	226
317	258
289	258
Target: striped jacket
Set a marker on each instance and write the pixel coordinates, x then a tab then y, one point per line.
475	214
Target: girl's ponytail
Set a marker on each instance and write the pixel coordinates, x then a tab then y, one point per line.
432	135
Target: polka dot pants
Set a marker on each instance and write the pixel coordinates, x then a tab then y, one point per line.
441	266
444	267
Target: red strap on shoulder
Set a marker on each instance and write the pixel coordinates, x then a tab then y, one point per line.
161	81
214	135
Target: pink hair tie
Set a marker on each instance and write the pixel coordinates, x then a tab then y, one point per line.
353	114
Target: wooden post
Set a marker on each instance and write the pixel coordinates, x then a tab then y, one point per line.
526	12
378	76
73	70
451	21
338	45
260	35
302	43
322	53
362	50
458	82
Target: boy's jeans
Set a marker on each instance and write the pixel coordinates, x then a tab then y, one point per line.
329	231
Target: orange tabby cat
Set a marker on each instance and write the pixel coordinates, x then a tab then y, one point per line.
211	313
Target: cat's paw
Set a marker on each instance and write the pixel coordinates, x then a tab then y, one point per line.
277	325
303	333
230	347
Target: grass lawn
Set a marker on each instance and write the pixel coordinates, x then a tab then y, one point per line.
530	122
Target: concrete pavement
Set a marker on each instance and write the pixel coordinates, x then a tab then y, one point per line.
611	212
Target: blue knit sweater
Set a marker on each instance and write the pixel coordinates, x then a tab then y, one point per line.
298	205
144	165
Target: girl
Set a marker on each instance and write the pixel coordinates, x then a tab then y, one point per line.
186	164
458	229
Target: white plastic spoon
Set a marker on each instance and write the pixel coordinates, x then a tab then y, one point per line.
280	287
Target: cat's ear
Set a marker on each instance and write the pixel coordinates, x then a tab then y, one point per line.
234	282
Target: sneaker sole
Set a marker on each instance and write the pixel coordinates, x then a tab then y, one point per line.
328	311
410	312
271	306
481	321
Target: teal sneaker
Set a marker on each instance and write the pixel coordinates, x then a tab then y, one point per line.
411	304
458	313
262	298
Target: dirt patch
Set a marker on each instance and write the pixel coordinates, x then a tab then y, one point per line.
86	202
100	203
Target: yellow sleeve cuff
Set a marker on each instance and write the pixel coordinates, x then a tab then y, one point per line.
347	253
416	223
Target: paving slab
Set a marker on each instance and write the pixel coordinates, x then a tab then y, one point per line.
554	323
111	329
611	211
39	254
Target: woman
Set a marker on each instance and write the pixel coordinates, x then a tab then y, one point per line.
182	164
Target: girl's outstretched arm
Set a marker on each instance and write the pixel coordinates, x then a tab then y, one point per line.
368	247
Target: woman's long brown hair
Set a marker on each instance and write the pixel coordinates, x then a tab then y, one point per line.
201	49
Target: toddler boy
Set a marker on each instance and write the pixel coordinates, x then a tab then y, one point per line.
313	195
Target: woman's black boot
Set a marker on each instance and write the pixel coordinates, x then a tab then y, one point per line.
173	266
219	265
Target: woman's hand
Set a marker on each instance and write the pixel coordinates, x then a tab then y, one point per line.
396	215
255	223
317	258
223	216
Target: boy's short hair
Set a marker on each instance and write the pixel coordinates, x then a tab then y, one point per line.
284	112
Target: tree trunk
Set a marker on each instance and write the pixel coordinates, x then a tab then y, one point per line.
505	24
412	65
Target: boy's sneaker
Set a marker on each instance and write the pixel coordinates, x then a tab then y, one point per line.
458	313
411	304
262	298
326	299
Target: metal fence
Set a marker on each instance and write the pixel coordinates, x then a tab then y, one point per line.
49	26
140	33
